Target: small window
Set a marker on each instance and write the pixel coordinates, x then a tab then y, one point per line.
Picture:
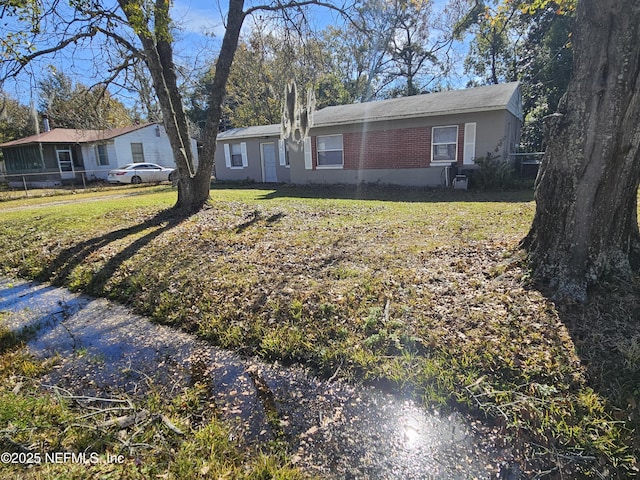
330	151
137	152
445	144
236	155
101	153
283	152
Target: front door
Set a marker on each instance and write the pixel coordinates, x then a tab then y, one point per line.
268	151
65	164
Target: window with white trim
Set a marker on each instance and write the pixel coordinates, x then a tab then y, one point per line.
236	155
329	149
283	153
137	153
444	144
101	155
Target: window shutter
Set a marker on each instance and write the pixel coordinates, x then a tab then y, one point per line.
283	154
227	155
469	143
308	161
243	150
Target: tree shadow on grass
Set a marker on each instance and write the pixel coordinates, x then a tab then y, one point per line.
254	217
389	193
59	270
605	332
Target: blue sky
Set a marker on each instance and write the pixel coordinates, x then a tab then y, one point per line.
198	16
201	30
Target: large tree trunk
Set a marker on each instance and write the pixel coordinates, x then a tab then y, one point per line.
216	90
193	184
585	228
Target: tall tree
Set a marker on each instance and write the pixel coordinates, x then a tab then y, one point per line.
356	61
492	56
527	41
70	105
545	65
142	29
16	120
373	31
264	63
586	224
391	48
418	52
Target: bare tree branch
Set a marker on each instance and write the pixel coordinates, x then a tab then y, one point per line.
297	4
23	61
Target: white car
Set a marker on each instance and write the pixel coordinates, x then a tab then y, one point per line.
140	172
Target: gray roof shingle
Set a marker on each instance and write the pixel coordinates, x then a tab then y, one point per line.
504	96
249	132
493	97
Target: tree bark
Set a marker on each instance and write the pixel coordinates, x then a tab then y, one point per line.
216	92
193	184
585	228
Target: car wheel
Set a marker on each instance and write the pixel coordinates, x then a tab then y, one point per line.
136	180
170	177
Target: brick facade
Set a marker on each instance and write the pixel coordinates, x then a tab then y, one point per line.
389	149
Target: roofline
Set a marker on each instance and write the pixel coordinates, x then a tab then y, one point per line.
408	117
37	138
245	133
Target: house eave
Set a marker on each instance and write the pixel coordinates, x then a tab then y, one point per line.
394	118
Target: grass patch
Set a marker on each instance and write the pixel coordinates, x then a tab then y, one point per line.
416	289
158	436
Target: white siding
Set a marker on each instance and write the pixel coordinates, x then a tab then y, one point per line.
94	171
156	149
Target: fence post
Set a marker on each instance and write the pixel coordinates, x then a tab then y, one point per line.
84	182
24	182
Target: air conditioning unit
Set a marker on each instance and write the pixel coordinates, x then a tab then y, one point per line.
460	182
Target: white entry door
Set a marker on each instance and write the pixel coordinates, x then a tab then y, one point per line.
65	164
268	152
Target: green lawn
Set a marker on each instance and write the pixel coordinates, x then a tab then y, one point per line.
422	291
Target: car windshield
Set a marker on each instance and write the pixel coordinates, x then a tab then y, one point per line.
127	167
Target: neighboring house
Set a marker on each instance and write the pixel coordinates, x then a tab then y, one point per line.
404	141
64	155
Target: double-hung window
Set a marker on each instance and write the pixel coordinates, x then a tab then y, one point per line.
101	154
444	144
137	153
329	148
236	155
